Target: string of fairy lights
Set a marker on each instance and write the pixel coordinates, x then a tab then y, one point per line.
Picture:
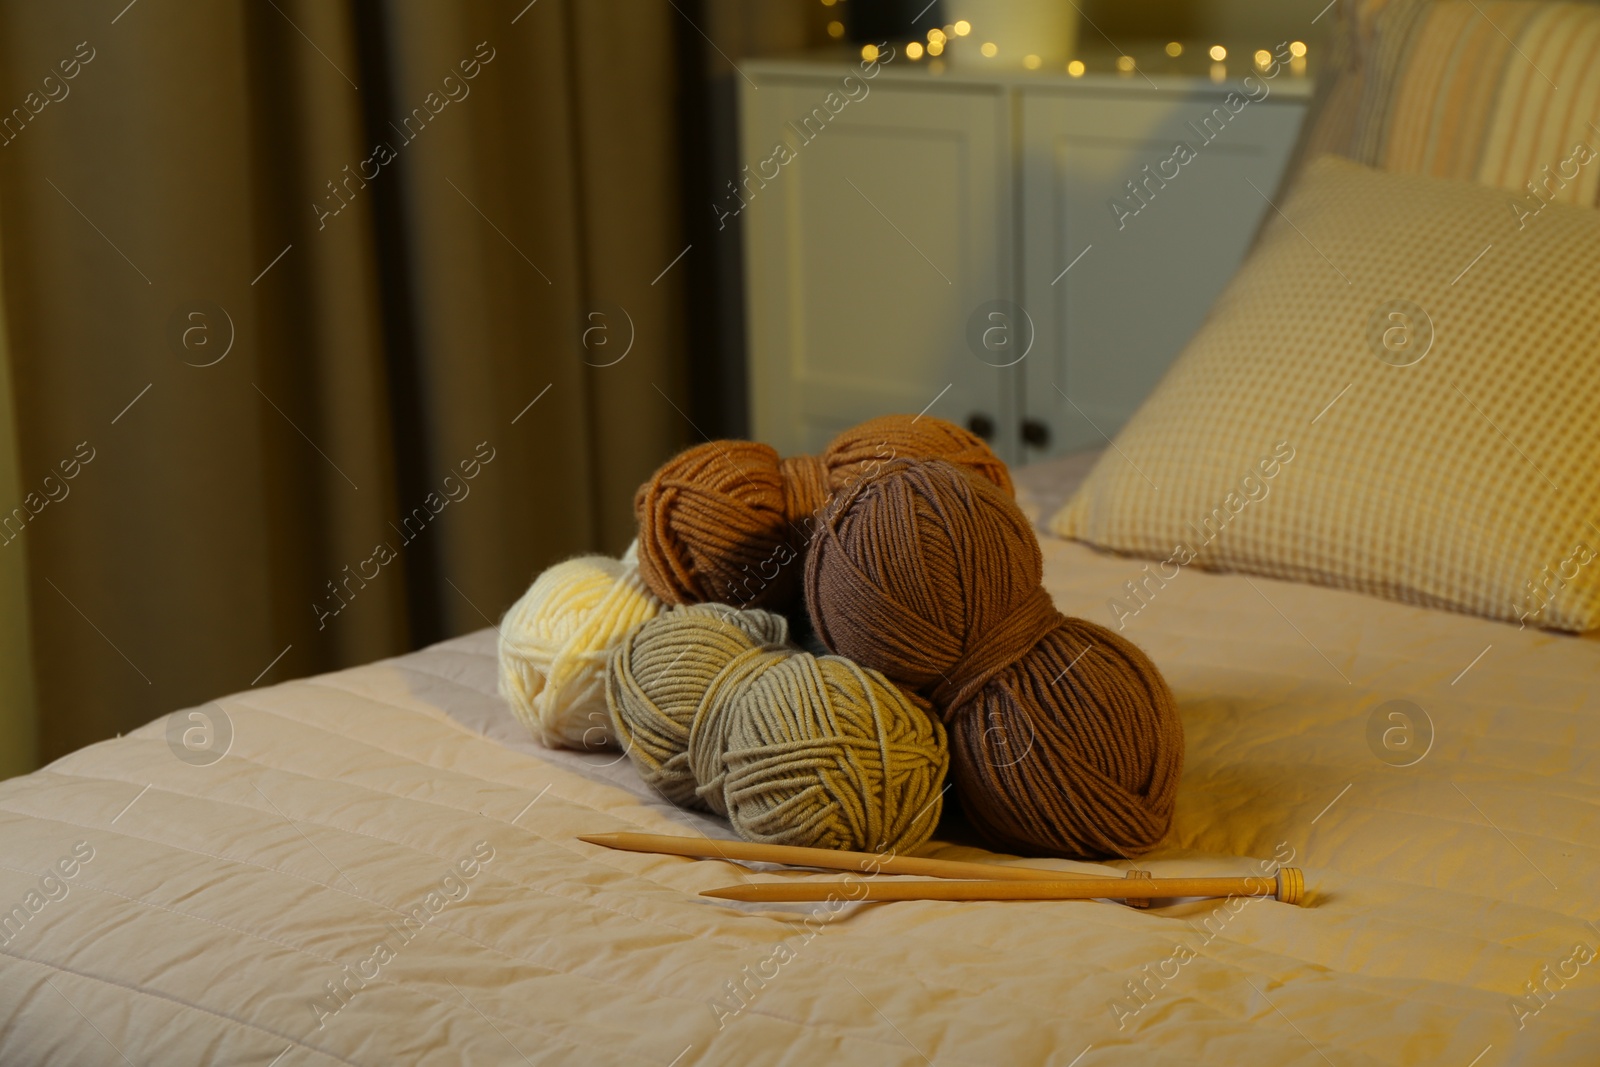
940	39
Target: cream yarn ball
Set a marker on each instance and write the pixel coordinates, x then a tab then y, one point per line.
554	642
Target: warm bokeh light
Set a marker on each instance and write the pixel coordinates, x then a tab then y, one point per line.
990	49
1263	57
1031	62
914	50
1125	64
1174	49
936	36
1075	68
1297	48
1218	53
935	47
962	27
869	52
835	28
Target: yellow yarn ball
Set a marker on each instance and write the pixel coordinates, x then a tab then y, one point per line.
554	643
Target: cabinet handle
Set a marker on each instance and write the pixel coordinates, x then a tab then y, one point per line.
982	425
1035	433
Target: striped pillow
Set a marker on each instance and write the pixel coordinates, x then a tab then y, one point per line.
1464	89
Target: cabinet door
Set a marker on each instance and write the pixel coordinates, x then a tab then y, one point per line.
866	253
1108	328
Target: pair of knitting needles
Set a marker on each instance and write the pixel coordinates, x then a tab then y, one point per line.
962	881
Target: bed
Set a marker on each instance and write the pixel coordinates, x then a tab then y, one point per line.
382	869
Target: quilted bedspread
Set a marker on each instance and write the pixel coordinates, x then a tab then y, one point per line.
377	867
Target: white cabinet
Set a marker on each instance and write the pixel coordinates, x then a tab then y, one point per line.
906	242
886	221
1159	229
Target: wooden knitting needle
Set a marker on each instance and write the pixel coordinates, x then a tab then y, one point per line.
1288	886
826	858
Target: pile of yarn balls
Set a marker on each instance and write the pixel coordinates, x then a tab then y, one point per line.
901	547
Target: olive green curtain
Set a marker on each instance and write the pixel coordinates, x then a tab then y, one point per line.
296	291
18	730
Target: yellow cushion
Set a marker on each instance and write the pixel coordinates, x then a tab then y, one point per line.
1399	393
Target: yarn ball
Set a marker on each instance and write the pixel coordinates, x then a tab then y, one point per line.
728	521
657	681
794	749
1064	738
554	642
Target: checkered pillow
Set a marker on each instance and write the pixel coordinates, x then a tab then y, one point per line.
1399	393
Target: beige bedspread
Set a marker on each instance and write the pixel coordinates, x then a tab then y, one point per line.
380	871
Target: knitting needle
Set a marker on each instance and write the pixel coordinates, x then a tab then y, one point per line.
825	858
1288	886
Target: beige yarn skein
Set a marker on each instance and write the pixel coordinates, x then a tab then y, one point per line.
658	678
794	749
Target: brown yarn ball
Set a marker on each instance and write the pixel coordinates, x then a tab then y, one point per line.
1064	738
727	521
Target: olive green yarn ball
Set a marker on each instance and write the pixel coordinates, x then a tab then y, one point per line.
717	711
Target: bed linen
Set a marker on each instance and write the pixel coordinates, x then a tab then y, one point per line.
234	912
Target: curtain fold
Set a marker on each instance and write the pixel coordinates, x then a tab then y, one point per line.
334	295
124	201
18	729
323	391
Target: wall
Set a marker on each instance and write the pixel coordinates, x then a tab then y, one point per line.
1241	21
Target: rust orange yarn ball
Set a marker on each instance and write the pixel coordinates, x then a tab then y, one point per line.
729	521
